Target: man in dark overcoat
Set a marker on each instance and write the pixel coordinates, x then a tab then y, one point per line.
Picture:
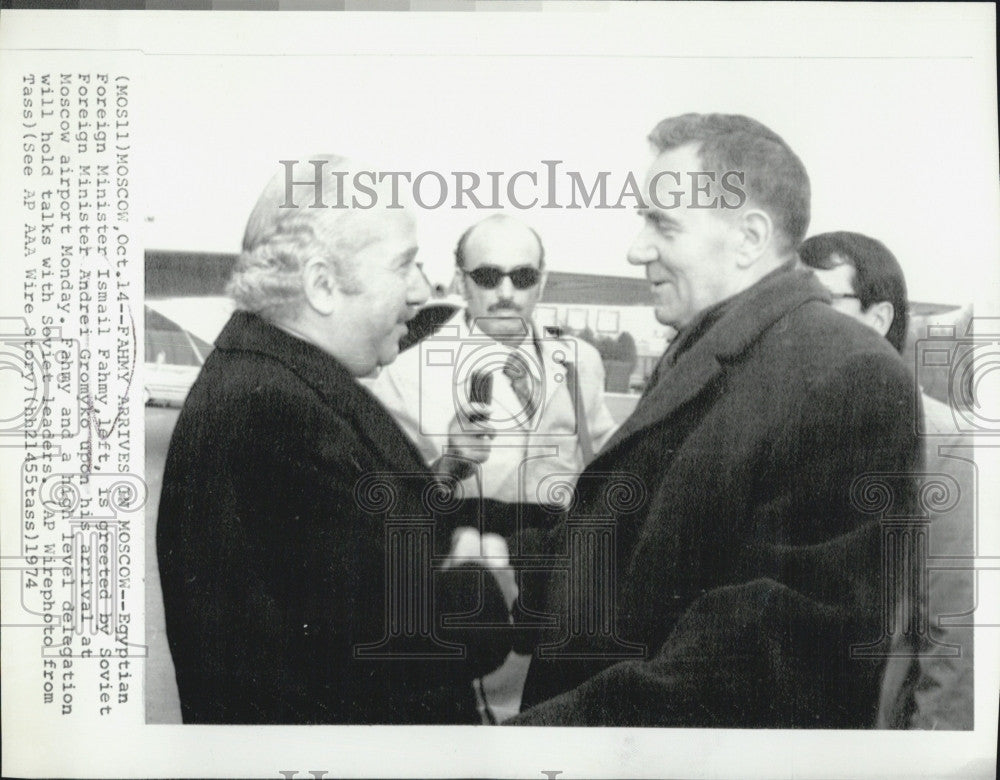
732	574
301	539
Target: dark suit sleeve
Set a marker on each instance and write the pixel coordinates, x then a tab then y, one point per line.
774	647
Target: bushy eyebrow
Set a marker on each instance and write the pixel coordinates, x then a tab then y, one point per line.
659	218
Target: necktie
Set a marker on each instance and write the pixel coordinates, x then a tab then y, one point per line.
516	370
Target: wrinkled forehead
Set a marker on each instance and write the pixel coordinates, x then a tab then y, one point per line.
678	179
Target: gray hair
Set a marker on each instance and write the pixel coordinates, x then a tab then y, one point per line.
277	242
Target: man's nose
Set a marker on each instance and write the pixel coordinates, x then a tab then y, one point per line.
419	287
505	291
642	251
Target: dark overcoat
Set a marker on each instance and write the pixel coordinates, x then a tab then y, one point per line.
283	482
747	537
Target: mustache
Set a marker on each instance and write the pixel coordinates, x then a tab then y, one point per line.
504	306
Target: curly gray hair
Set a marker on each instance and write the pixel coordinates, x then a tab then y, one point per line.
277	242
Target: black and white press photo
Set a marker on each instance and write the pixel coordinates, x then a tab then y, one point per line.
500	389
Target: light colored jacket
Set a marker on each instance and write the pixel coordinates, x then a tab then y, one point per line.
530	462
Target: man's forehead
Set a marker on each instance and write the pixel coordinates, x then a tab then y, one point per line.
678	180
502	243
358	235
381	224
683	159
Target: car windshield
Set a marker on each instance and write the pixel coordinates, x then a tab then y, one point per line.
168	342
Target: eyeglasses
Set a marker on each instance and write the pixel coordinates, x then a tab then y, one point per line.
489	277
844	297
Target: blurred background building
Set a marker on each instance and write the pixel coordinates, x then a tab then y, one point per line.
186	308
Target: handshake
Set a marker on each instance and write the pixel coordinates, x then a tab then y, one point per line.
469	441
490	552
477	588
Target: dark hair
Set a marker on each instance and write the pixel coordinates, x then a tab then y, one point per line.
464	238
774	177
877	275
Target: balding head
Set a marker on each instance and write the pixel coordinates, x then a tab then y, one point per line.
499	230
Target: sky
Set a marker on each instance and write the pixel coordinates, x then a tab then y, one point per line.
888	144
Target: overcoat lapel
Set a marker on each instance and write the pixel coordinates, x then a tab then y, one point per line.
331	381
680	384
755	311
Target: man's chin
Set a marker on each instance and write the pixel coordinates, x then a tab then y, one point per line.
389	352
500	326
666	315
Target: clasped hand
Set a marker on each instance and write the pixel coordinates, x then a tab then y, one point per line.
489	551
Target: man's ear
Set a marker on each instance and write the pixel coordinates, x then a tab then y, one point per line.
880	316
755	233
320	285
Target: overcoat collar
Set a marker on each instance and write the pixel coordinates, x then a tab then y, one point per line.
753	312
248	332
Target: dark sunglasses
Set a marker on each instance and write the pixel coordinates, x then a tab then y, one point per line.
489	276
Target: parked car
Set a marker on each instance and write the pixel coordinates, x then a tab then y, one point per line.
178	337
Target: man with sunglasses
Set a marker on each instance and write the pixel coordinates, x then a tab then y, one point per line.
542	436
547	414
